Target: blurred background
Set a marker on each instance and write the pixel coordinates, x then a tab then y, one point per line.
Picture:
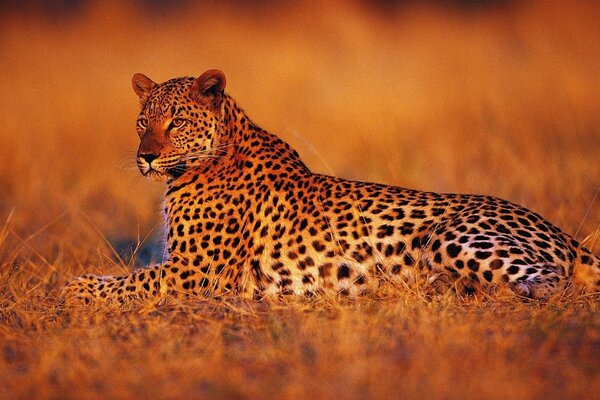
495	97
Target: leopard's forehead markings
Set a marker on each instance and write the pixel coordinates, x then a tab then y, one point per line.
163	101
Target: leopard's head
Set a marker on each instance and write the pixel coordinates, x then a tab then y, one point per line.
178	124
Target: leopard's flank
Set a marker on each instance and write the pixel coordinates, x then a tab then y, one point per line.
244	215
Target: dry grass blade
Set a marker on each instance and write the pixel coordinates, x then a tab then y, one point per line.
585	215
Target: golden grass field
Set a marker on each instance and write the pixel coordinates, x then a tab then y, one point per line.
497	100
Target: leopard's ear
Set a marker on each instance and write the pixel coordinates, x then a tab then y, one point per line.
209	86
142	86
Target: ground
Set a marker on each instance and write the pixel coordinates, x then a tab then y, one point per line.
495	101
378	347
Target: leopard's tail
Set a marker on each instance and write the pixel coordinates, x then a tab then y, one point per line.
586	270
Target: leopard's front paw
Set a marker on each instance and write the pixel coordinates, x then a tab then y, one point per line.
85	289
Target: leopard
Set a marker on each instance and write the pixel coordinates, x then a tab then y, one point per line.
245	216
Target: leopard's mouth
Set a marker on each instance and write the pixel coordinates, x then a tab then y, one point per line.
163	173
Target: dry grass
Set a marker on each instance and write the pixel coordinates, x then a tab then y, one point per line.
503	101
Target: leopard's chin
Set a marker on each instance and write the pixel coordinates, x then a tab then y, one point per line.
157	176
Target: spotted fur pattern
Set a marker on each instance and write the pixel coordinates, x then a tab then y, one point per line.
245	215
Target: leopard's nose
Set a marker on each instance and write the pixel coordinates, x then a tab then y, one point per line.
148	157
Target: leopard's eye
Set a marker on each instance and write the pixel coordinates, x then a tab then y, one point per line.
142	123
177	123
